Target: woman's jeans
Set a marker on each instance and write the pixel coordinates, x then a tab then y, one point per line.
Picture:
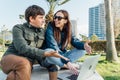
73	55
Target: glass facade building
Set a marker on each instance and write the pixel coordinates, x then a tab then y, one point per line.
97	23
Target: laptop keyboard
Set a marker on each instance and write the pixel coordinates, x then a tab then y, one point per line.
72	77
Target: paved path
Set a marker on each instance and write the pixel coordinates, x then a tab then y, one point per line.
39	73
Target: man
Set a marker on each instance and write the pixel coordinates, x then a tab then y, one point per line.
26	47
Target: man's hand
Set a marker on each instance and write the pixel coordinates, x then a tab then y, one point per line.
87	47
54	54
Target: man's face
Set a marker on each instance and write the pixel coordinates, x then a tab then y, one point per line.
37	22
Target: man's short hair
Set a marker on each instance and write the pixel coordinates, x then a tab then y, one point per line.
33	11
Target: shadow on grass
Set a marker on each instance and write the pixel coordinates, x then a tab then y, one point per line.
103	61
112	78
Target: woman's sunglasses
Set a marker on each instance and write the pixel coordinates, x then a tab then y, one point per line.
58	17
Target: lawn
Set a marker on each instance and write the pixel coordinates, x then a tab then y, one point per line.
109	71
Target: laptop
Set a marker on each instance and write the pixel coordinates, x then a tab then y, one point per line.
86	71
88	67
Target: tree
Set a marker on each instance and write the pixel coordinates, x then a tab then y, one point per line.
111	49
1	41
84	38
3	32
22	18
116	17
118	37
52	4
94	38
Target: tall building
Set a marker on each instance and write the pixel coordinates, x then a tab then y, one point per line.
74	27
97	21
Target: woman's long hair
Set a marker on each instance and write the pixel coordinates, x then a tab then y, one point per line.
66	30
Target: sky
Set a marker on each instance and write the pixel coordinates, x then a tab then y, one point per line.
78	10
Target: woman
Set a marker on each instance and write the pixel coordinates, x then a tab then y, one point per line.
58	35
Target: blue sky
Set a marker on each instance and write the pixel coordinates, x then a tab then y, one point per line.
78	10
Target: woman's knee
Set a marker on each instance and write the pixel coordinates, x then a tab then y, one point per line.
49	49
78	51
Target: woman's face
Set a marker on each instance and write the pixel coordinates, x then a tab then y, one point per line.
60	20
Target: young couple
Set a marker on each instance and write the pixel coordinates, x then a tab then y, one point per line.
27	45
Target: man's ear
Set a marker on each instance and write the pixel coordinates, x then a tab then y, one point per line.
31	18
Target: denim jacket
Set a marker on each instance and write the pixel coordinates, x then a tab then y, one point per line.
52	43
27	41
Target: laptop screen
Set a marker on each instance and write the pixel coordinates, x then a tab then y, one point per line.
88	67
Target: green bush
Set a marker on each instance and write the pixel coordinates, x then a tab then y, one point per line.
100	45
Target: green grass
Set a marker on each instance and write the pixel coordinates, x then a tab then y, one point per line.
109	71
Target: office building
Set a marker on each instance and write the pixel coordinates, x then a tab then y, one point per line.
97	23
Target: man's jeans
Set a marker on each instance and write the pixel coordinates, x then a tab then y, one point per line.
16	67
73	55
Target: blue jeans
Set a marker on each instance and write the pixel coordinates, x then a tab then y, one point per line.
44	63
73	55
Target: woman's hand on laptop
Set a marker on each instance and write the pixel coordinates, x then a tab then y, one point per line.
72	68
